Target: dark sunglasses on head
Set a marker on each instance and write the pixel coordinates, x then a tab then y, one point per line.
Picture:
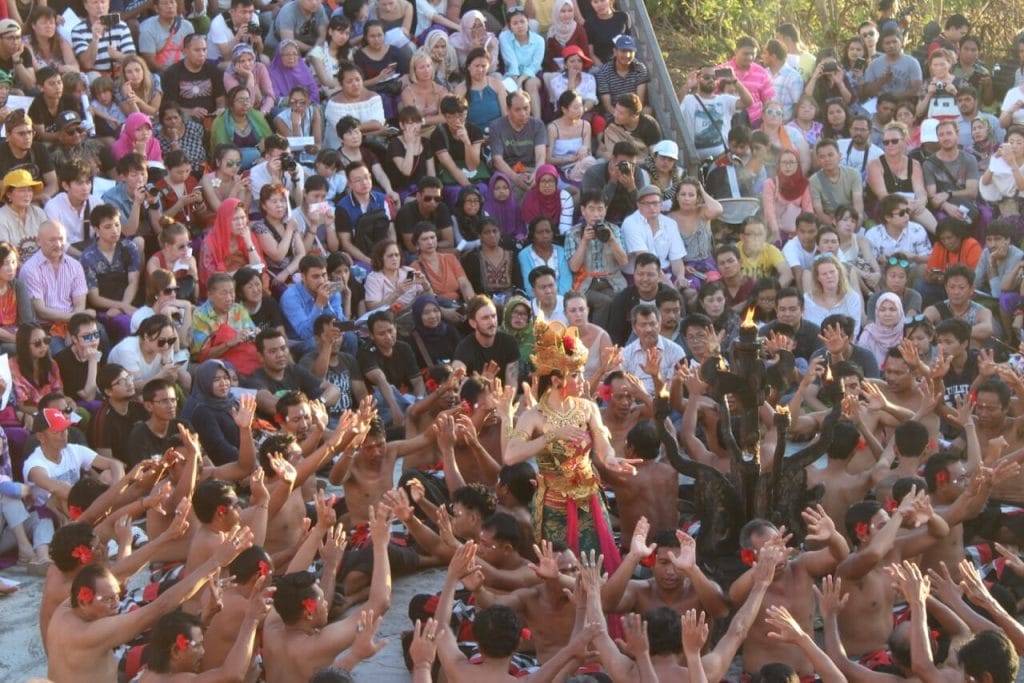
915	319
170	290
901	262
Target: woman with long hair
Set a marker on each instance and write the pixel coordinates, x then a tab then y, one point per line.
242	126
786	196
522	52
162	299
390	283
225	180
175	255
484	92
46	44
410	153
906	113
603	26
138	90
230	244
713	301
830	293
837	119
379	64
594	337
251	293
15	302
855	250
492	269
353	100
853	60
694	210
896	172
33	373
569	138
278	235
325	57
150	353
563	432
830	81
249	72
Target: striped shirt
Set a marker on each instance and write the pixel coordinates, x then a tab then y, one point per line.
119	37
610	82
57	288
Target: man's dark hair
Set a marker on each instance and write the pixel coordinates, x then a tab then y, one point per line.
959	270
107	375
155	385
379	316
696	320
247	564
845	438
310	261
826	142
625	148
78	321
266	335
668	295
739	135
646	258
539	272
664	630
504	528
776	672
476	497
860	513
453	104
497	631
938	462
164	636
130	162
520	479
209	495
995	385
86	490
911	438
103	212
747	41
957	21
643	439
72	170
429	182
322	321
475	303
890	203
64	542
776	49
88	578
845	323
789	292
990	652
724	249
592	197
292	589
960	329
275	141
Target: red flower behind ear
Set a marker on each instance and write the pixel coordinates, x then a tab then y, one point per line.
467	407
861	529
222	509
526	634
74	512
747	557
85	595
604	392
569	344
431	385
310	605
181	642
648	561
891	505
861	444
942	477
82	553
263	568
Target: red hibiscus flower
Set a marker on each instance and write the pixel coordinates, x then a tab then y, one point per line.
263	568
82	553
747	557
431	385
309	604
85	595
569	344
891	505
526	634
941	477
861	529
222	509
604	393
74	512
648	561
181	642
467	408
861	444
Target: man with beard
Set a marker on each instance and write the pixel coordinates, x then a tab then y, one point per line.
487	343
856	151
708	116
951	175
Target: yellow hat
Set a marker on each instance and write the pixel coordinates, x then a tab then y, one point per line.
557	348
19	178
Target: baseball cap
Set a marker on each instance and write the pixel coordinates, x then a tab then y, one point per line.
9	26
929	130
6	78
648	189
68	118
624	42
50	418
666	148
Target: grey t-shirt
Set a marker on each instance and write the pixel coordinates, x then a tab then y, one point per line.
155	39
517	146
942	174
304	28
905	70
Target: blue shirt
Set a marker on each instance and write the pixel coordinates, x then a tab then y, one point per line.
300	312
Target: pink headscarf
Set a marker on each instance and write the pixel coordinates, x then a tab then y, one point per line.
878	338
125	143
548	205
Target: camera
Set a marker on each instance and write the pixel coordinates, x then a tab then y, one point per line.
940	87
860	64
829	68
603	232
288	163
151	190
624	167
724	72
110	20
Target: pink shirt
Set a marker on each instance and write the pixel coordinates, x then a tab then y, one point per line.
759	82
57	287
260	87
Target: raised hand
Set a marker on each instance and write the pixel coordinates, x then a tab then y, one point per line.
768	558
638	543
820	527
943	585
833	339
243	415
423	649
283	469
398	501
873	396
652	362
964	413
463	560
685	560
636	641
332	549
258	488
123	532
444	427
590	571
261	600
622	465
157	497
909	353
530	393
364	645
444	527
831	599
379	518
466	430
546	566
912	584
179	525
491	369
326	515
1013	560
237	540
972	585
941	366
787	630
695	631
504	400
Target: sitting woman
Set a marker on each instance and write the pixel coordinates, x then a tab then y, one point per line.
410	153
162	298
33	373
15	303
712	301
491	268
240	125
211	410
433	339
484	92
783	137
983	142
353	295
443	271
1002	183
837	119
423	91
379	64
263	309
517	320
694	210
886	331
137	136
502	205
250	73
181	198
446	62
222	328
763	298
46	45
895	276
390	283
545	200
468	219
178	131
150	353
663	168
279	236
324	58
302	119
229	245
805	119
354	100
786	196
569	138
474	36
595	338
827	244
541	250
895	172
138	90
522	51
175	255
564	33
855	250
288	70
830	293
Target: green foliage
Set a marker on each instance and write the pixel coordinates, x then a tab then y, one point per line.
709	28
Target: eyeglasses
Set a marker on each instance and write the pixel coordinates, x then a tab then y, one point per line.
891	141
67	411
432	199
900	212
916	319
902	262
773	111
106	599
868	34
124	379
707	77
39	343
471	200
835	100
170	290
90	337
75	131
168	341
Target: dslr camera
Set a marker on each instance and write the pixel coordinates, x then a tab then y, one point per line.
624	167
288	163
940	87
602	232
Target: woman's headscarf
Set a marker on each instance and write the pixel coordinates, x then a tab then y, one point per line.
878	338
427	333
237	53
536	203
284	79
562	31
524	337
792	187
125	143
462	41
202	397
219	239
506	213
451	60
469	226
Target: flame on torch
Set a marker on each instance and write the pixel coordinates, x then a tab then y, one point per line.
748	319
828	373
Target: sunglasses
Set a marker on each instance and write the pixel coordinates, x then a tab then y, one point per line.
91	337
232	164
901	262
891	142
919	318
773	112
431	199
76	131
901	213
169	341
170	290
39	343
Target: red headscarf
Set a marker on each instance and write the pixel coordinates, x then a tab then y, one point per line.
219	239
792	187
537	204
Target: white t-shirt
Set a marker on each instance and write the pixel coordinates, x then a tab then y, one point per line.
667	243
634	358
218	35
73	459
1013	96
128	355
855	158
701	135
795	255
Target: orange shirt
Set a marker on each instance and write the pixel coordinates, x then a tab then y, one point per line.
969	254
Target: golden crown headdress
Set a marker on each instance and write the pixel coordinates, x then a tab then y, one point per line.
557	347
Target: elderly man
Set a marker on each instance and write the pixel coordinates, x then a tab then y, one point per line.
648	230
74	144
56	283
518	143
650	348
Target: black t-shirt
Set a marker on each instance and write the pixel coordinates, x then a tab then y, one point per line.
37	161
341	376
400	367
400	181
269	314
442	139
73	372
807	341
294	377
193	89
647	131
143	443
112	430
503	351
7	63
409	215
41	116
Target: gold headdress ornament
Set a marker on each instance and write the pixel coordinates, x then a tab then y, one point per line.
557	348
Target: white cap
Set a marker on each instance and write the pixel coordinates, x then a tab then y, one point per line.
929	130
666	148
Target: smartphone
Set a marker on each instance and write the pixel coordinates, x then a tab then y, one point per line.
110	20
336	287
319	207
410	276
345	325
393	66
724	72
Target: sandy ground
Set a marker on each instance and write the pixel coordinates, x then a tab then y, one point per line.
22	648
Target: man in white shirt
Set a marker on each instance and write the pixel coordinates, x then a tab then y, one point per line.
230	29
708	116
271	170
647	328
73	205
898	234
799	252
856	151
546	299
648	230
